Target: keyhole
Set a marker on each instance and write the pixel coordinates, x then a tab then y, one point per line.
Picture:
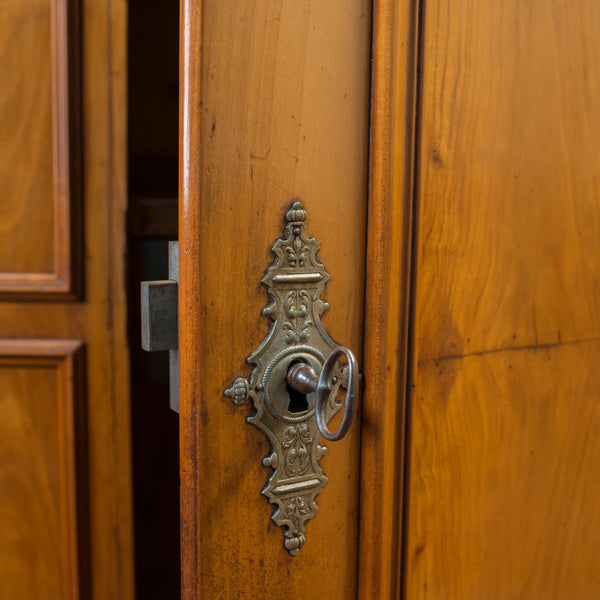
298	402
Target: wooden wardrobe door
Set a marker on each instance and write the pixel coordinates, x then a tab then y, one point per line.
503	483
275	107
65	496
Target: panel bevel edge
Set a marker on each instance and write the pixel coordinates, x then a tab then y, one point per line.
387	296
64	282
66	355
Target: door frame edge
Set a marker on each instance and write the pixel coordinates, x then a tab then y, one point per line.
395	40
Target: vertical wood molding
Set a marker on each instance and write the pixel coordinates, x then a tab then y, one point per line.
66	133
63	282
393	117
190	336
65	357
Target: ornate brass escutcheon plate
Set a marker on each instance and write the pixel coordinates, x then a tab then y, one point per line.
294	282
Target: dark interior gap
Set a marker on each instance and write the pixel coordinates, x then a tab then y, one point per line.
152	161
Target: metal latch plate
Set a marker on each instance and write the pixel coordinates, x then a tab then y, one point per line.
160	320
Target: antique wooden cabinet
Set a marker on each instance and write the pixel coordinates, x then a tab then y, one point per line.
447	156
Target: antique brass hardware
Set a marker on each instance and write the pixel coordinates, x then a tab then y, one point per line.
296	380
305	379
160	321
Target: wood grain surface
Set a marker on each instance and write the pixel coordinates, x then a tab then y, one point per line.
39	150
98	318
504	493
510	176
502	483
274	106
41	404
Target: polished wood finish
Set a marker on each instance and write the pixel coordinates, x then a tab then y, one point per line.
39	160
387	295
97	319
41	403
504	455
505	504
274	106
509	176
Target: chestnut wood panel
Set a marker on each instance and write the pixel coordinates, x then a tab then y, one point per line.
502	483
39	153
98	316
274	106
510	171
41	401
504	486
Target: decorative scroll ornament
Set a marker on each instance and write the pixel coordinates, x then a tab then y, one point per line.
294	282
